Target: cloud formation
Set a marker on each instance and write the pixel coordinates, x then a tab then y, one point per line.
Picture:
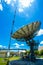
41	42
22	45
8	1
1	46
40	32
21	4
24	4
1	7
18	45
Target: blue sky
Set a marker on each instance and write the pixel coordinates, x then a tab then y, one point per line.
28	11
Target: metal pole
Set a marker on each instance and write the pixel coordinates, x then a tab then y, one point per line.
12	29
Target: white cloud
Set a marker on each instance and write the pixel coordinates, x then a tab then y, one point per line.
25	3
11	2
8	1
21	4
20	9
16	45
22	45
1	46
41	42
40	32
1	7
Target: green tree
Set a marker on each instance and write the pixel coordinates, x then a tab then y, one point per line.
41	52
36	52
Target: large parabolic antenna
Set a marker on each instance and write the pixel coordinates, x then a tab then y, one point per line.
27	33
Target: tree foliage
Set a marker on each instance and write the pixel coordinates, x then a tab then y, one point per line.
36	52
41	52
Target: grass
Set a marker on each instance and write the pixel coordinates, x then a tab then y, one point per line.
41	56
3	61
14	58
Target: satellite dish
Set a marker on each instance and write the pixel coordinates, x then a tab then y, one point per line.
27	32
